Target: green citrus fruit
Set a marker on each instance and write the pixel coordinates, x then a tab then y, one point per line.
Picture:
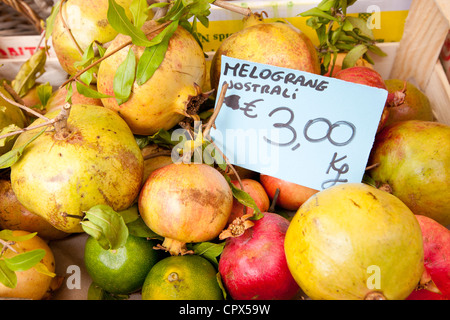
188	277
123	270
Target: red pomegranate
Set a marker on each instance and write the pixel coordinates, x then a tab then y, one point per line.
253	265
258	194
369	77
435	281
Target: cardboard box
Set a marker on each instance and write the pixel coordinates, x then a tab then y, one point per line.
388	18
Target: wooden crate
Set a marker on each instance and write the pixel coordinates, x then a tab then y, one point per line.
417	55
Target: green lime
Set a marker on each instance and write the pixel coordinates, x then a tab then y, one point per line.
120	271
188	277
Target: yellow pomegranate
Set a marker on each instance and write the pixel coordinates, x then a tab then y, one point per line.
353	241
185	203
162	101
87	21
14	216
31	284
98	162
277	43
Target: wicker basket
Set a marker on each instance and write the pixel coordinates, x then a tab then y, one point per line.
23	17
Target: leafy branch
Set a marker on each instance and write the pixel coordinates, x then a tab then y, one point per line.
20	261
175	13
339	33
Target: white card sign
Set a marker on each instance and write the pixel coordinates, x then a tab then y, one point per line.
305	128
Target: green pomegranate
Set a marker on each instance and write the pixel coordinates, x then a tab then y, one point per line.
277	43
96	161
353	242
412	159
9	115
407	102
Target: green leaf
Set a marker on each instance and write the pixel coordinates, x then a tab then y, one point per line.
124	78
8	129
87	57
42	268
8	235
95	292
175	11
131	214
49	22
7	277
9	158
314	23
101	50
25	78
87	91
69	89
162	138
243	197
158	5
150	61
347	25
377	51
326	5
138	228
322	34
119	21
209	250
26	260
106	226
154	55
361	25
218	159
335	35
221	285
315	12
353	56
44	92
139	10
367	179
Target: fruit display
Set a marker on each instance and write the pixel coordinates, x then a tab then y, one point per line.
111	182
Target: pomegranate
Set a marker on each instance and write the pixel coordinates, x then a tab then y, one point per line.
407	102
155	157
279	44
31	284
291	196
14	216
253	265
412	158
173	91
58	98
87	21
369	77
436	245
354	241
66	171
338	64
425	295
185	203
256	191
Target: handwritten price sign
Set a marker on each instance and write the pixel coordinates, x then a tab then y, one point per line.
308	129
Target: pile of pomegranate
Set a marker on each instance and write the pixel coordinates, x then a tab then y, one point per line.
110	143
